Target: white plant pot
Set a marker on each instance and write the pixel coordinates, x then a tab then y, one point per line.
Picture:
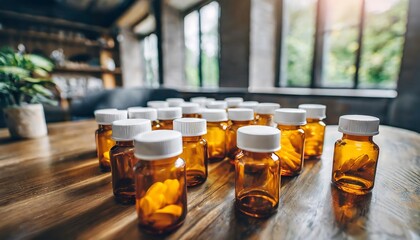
27	121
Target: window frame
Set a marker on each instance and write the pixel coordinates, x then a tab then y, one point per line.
197	7
141	38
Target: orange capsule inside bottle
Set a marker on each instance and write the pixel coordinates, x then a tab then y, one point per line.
216	133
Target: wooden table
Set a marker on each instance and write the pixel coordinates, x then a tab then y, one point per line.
51	188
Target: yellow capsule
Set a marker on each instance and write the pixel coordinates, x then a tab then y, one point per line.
171	209
156	189
172	190
106	155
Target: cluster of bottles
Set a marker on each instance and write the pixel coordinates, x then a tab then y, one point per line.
156	152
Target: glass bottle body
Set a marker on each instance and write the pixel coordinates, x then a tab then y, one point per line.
291	152
354	164
216	140
265	120
155	125
257	183
104	143
231	148
165	125
314	138
191	115
195	157
161	194
122	163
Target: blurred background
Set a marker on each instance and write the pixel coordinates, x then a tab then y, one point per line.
355	56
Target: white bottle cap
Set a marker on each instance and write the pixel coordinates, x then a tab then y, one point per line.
157	104
290	116
266	108
240	114
214	115
249	104
106	117
233	101
157	145
127	129
359	125
190	108
175	102
190	127
141	112
314	110
258	139
210	100
199	100
217	105
169	113
104	109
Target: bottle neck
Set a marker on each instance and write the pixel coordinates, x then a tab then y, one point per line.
246	122
192	139
256	155
125	143
358	138
160	162
104	127
313	120
287	127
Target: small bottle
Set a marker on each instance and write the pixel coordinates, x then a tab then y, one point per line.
239	117
355	154
199	100
194	148
157	104
264	114
249	104
233	102
314	130
144	113
289	122
175	102
257	171
166	116
190	110
122	157
216	133
217	105
160	180
103	135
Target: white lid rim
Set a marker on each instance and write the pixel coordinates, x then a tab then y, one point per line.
122	139
291	123
223	120
258	150
362	134
157	157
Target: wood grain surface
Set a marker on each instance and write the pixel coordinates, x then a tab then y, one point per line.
51	188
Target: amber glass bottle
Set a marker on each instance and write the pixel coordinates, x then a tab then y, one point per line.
175	102
194	148
216	133
233	102
166	116
160	179
190	110
314	130
356	155
103	135
257	171
144	113
264	114
239	117
157	104
290	121
122	157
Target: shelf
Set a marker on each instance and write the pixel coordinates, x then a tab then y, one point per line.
91	70
53	37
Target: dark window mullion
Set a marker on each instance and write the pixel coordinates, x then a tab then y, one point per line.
359	42
319	48
200	51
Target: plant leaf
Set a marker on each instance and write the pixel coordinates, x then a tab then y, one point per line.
40	62
18	71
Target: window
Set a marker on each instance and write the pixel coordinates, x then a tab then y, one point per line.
355	43
201	33
150	58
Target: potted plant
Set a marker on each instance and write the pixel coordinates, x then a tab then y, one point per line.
24	85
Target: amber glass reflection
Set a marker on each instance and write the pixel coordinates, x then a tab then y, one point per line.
314	138
265	120
122	163
291	152
257	183
354	164
165	125
195	157
161	194
191	115
232	149
155	125
216	140
104	143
